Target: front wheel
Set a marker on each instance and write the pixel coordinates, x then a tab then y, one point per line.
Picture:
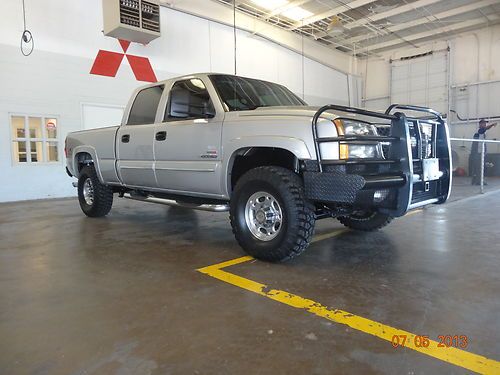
271	218
95	198
367	221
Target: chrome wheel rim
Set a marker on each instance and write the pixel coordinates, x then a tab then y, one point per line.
88	191
263	216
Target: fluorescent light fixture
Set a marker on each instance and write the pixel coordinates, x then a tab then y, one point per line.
297	13
270	4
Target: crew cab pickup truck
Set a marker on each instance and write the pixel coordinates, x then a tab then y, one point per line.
220	142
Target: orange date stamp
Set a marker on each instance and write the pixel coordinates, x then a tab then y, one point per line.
423	341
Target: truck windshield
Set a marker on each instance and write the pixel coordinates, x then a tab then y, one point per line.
240	94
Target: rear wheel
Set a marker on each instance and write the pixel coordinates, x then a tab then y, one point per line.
366	220
271	218
95	198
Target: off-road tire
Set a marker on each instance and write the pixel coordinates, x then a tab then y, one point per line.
371	222
103	195
298	217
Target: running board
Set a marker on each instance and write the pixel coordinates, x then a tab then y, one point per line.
171	202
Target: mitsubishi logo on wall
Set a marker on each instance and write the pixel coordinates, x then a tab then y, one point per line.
107	64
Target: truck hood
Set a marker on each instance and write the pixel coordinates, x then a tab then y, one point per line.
302	111
299	111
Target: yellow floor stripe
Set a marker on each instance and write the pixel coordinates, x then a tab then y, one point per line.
451	355
409	213
321	237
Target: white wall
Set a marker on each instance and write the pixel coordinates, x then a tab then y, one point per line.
55	79
474	57
223	14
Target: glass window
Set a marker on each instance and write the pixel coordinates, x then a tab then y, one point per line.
17	127
143	110
240	94
35	127
51	126
34	139
189	99
53	154
19	150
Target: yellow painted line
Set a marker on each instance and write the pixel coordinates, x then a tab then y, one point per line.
409	213
458	357
326	236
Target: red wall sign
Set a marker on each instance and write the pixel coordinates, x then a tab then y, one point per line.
107	64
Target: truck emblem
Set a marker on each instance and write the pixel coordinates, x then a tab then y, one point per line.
210	154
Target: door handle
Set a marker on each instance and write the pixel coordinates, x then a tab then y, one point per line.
161	136
126	138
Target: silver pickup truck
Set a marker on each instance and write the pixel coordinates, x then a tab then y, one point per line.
219	142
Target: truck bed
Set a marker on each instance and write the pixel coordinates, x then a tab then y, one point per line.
100	144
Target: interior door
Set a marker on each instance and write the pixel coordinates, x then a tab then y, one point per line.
188	141
135	140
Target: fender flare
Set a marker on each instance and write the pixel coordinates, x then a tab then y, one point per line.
93	154
236	146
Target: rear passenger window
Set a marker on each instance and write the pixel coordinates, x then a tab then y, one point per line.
143	110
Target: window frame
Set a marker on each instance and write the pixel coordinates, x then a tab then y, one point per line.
129	111
45	140
165	116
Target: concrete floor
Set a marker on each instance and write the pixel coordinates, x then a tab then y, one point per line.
462	187
121	295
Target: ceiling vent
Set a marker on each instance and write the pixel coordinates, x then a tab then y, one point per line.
132	20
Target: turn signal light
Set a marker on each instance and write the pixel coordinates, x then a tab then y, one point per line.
343	148
343	151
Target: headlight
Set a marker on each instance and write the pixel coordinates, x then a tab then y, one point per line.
358	128
362	151
353	151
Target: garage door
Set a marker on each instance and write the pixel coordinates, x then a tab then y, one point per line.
421	81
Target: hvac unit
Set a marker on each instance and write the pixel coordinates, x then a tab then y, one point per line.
132	20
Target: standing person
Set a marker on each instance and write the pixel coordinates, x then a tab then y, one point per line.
475	153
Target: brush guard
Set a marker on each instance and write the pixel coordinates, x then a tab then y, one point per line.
416	170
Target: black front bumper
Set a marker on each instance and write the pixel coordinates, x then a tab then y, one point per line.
395	184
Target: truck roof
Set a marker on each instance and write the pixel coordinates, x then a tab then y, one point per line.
206	74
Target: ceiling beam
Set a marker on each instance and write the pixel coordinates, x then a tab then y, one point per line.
428	19
393	12
438	31
332	12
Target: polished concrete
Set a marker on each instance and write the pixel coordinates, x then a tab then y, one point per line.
121	295
462	187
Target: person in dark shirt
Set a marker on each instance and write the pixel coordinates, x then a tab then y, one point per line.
475	152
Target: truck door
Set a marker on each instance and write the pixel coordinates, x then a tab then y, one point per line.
188	140
134	140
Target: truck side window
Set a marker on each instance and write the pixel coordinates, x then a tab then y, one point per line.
143	110
189	99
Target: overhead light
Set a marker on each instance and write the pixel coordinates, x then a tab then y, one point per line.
335	26
297	13
270	4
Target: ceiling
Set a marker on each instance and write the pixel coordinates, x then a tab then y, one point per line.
369	27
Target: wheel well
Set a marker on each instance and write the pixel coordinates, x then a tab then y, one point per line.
82	159
253	157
